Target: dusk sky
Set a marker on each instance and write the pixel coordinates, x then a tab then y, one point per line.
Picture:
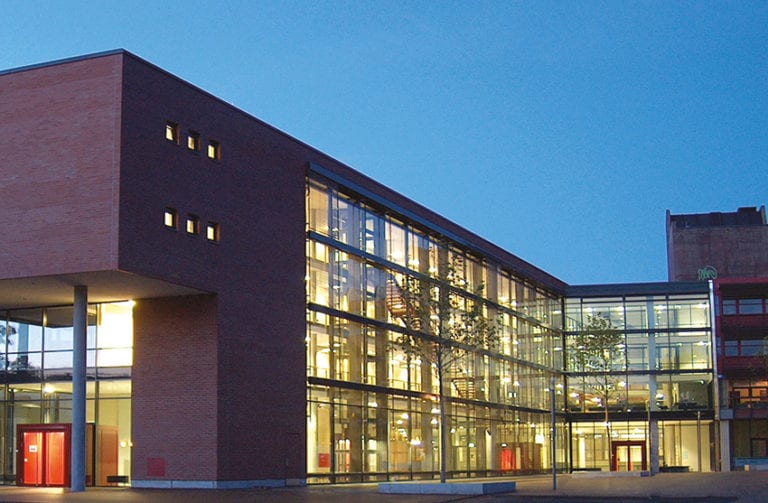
561	131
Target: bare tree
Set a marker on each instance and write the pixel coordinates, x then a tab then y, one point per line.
5	338
598	348
443	324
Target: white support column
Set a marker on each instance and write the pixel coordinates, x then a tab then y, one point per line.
80	331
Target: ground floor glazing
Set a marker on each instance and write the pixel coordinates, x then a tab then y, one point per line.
669	445
355	436
36	393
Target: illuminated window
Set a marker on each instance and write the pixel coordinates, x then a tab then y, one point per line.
172	132
115	334
170	218
193	140
212	232
214	150
193	224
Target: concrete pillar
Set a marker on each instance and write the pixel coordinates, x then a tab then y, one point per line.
653	438
79	335
652	363
725	446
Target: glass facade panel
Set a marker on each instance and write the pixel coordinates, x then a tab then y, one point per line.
688	312
638	354
375	415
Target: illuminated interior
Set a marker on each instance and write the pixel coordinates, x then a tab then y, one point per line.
373	409
37	383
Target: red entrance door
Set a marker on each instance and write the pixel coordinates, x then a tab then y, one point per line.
629	456
43	454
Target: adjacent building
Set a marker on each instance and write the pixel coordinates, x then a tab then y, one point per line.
704	246
730	249
192	298
742	327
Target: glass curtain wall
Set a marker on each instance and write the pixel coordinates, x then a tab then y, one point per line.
37	381
373	408
634	364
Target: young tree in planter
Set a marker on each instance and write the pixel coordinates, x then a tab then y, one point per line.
442	327
597	350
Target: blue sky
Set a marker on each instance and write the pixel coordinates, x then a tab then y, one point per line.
561	131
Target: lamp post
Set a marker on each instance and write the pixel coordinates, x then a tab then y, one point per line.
554	434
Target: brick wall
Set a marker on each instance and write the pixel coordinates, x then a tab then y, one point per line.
256	193
734	251
58	174
174	406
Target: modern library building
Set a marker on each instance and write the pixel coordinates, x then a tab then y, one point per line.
192	298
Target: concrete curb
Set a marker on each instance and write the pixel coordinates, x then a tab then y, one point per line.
469	488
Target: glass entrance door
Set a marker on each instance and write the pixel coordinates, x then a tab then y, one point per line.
629	456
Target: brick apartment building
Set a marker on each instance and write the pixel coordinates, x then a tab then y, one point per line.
731	248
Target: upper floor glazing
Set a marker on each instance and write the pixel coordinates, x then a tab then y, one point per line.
359	258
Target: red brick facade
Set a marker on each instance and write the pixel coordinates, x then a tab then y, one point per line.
59	134
219	379
256	195
174	405
717	245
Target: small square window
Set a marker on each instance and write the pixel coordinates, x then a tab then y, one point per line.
171	218
214	150
193	140
212	232
193	224
172	132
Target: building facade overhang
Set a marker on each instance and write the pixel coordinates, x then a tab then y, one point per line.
103	286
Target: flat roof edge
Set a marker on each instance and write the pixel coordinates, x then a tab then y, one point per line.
655	288
63	61
511	261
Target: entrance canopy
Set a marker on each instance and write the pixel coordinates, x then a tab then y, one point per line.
103	286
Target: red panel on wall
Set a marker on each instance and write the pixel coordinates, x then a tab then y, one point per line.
155	467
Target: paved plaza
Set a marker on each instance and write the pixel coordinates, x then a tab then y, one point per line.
666	487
